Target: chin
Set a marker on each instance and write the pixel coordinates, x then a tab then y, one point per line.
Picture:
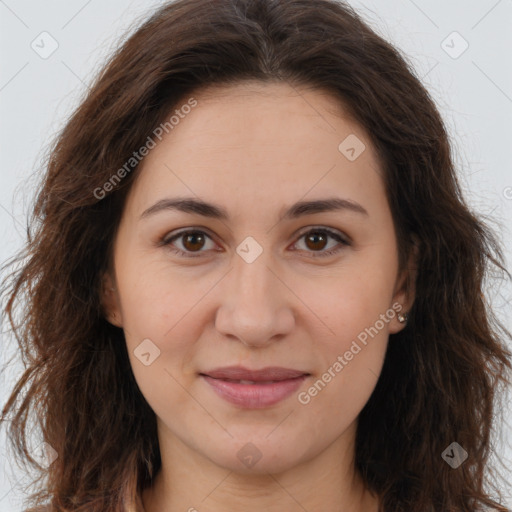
258	457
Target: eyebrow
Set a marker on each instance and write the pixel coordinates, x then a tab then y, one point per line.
299	209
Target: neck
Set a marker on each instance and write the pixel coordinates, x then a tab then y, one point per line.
327	482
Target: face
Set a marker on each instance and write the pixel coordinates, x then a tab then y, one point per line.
267	276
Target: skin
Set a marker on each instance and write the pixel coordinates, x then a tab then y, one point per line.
255	149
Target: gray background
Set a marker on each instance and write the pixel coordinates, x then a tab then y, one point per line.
472	88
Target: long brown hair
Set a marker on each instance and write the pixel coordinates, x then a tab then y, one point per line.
443	374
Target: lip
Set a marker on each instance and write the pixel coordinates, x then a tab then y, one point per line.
270	385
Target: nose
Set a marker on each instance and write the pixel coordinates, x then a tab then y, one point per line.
256	305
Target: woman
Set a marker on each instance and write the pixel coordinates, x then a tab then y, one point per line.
253	282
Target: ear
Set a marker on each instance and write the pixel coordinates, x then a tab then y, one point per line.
110	303
405	290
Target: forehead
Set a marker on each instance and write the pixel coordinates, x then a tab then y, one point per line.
258	111
266	140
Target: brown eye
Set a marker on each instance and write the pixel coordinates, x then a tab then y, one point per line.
193	241
190	242
317	241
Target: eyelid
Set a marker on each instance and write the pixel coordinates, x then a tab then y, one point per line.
168	240
192	229
329	230
336	234
342	239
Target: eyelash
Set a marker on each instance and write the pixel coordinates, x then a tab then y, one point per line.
315	254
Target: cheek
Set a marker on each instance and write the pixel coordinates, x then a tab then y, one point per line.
349	367
158	299
159	309
352	340
162	326
350	303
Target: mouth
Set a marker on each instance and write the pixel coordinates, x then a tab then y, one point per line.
254	389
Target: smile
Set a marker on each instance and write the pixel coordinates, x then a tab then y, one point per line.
254	389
